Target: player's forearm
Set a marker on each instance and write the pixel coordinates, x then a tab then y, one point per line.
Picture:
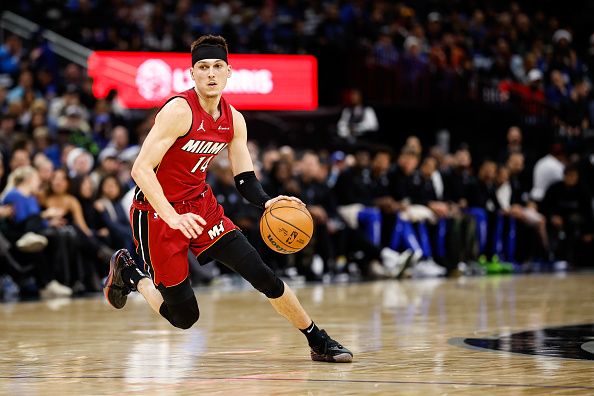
150	186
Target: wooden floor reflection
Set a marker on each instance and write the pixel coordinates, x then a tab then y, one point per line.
404	336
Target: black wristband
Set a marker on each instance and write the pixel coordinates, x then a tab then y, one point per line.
250	188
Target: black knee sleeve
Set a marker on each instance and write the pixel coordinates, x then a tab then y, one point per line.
180	306
255	271
238	254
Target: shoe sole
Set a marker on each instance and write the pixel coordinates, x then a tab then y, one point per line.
340	358
115	298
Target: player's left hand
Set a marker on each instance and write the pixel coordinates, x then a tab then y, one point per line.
280	198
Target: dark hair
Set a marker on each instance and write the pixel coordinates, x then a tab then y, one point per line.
210	39
104	180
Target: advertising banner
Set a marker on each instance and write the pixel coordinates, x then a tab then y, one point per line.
258	82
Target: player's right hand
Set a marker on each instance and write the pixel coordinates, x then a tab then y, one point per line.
188	223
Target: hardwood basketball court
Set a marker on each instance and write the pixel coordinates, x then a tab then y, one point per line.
489	336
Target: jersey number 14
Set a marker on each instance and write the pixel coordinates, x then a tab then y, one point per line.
202	164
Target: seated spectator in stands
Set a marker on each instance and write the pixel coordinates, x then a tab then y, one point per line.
83	189
413	144
558	90
20	157
401	175
514	140
384	51
357	121
79	162
531	234
564	58
322	207
530	98
119	144
352	186
24	87
269	157
75	225
568	209
381	190
547	170
45	169
519	190
462	180
11	53
412	71
102	121
114	217
8	263
109	165
28	230
42	142
281	180
74	120
428	188
573	113
380	183
337	165
70	98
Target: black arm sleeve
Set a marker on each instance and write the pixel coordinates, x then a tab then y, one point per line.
250	188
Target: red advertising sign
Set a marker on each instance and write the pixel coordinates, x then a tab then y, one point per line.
258	82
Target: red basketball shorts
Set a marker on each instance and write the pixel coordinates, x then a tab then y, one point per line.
165	250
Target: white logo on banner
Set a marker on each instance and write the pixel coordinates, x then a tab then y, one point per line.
153	79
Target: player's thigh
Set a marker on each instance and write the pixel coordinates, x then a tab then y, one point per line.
164	250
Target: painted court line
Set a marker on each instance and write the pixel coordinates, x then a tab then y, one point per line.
310	380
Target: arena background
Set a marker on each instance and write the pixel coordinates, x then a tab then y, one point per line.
462	105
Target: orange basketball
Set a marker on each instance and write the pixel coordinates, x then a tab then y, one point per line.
286	227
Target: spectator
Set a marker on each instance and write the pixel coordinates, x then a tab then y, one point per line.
11	53
29	231
559	89
80	162
574	112
74	226
24	88
514	140
568	209
357	121
119	144
113	215
20	157
548	170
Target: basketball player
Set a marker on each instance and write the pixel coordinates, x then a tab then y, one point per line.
175	210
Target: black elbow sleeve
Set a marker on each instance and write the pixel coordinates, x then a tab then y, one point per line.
250	188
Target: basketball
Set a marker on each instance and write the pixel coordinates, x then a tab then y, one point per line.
286	227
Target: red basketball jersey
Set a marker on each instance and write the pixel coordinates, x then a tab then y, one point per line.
182	171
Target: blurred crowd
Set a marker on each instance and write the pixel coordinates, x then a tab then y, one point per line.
428	51
65	156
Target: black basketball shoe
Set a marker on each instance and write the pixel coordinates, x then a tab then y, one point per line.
330	351
115	289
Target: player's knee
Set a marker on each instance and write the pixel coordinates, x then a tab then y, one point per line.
185	318
180	306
